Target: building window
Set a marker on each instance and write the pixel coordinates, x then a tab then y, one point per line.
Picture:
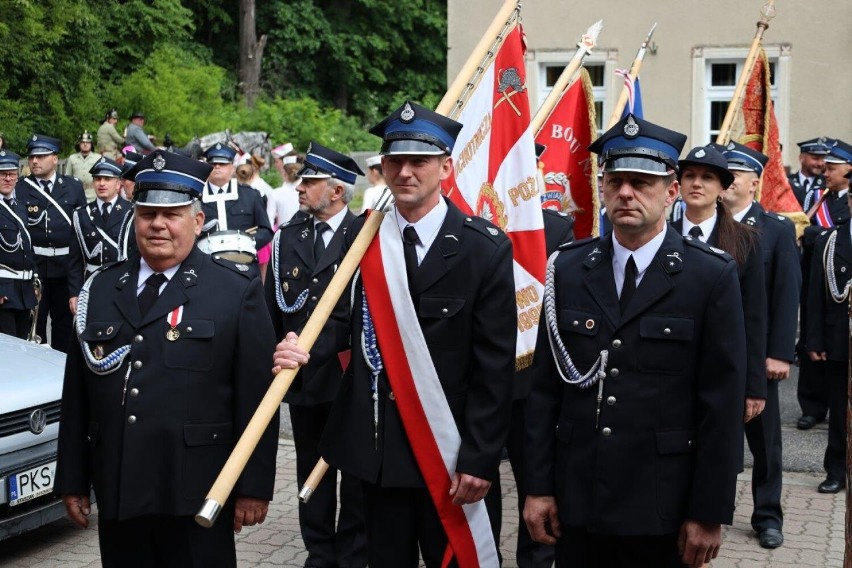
550	71
721	81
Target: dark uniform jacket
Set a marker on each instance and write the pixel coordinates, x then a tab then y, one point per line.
16	253
47	226
158	447
88	224
245	212
753	291
799	191
838	210
464	297
669	441
558	230
296	273
828	321
783	279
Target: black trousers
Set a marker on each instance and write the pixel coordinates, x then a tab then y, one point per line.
54	302
529	554
836	373
15	323
812	390
764	440
163	541
578	547
345	546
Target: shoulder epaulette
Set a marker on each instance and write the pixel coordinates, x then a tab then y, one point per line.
776	217
298	218
238	267
485	227
575	244
701	245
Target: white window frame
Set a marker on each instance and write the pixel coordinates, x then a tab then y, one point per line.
703	93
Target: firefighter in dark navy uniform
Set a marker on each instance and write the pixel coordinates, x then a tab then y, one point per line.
306	252
634	420
812	155
102	228
783	289
827	337
50	200
170	365
17	262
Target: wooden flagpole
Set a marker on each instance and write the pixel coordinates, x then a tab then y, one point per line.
766	14
632	74
584	47
451	105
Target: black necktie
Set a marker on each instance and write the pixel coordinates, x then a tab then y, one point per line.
409	247
319	242
9	201
695	232
105	212
150	292
46	185
806	184
629	286
221	190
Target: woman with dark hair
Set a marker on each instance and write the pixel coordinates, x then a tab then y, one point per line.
703	176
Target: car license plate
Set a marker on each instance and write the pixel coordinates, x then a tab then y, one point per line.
27	485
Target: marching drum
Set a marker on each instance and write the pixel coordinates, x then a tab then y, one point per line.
235	246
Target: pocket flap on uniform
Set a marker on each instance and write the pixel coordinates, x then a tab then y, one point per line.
675	442
577	321
564	430
439	307
208	434
100	330
198	329
665	327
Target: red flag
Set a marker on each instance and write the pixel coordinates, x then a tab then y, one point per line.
758	128
569	170
495	176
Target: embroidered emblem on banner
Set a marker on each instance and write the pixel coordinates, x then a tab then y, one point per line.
509	85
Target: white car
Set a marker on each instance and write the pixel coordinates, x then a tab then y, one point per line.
30	399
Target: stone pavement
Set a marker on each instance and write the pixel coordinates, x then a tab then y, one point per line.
813	530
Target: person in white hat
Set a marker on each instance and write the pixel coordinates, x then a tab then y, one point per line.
377	183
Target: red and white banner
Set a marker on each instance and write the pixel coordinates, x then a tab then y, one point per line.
420	398
569	170
495	177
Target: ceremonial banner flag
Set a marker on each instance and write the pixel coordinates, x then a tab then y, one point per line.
634	95
495	176
757	127
570	172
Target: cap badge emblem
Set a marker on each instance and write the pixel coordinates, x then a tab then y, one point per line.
731	146
102	160
631	129
35	138
218	145
823	140
159	162
700	154
407	114
2	152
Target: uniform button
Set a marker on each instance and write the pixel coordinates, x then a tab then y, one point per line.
313	298
315	280
138	339
134	392
607	432
392	396
445	311
137	364
614	372
616	343
575	323
667	331
131	419
189	329
689	444
215	436
610	400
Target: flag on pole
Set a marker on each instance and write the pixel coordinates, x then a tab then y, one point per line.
634	94
570	171
756	127
495	176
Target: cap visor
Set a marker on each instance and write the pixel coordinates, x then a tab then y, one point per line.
835	160
40	152
636	164
161	198
412	147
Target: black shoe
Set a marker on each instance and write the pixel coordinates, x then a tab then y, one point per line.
770	538
807	422
831	485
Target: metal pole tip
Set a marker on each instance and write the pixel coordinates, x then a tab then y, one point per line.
206	516
305	494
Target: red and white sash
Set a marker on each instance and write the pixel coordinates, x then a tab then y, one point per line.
823	215
422	403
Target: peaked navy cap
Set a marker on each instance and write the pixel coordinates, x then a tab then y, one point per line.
414	129
322	162
106	168
166	179
220	154
41	145
744	159
9	161
818	146
711	158
637	145
840	153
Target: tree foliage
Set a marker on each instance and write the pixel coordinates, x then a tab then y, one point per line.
331	67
